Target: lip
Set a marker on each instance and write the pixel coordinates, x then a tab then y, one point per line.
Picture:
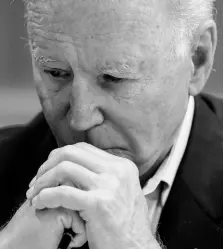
120	152
115	149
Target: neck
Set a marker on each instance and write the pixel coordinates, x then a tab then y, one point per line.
152	170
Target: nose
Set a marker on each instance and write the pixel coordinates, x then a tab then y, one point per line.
85	103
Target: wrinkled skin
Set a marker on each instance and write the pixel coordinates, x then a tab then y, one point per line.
137	117
108	76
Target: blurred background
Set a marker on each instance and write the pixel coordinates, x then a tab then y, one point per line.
18	100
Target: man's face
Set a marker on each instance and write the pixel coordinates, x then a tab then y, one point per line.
113	81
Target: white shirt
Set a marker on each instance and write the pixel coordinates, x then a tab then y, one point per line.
167	171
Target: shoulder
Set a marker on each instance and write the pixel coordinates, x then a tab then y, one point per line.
203	159
22	140
214	105
36	126
9	131
23	148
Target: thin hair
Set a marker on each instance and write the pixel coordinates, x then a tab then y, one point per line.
186	16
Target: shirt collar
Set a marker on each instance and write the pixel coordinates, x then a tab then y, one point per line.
168	169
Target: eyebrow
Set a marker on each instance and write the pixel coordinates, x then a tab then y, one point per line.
44	60
118	67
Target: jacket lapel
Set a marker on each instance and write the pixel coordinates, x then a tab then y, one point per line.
192	214
183	223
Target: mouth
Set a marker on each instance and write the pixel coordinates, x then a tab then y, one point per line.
115	149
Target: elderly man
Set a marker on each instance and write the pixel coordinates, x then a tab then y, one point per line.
127	153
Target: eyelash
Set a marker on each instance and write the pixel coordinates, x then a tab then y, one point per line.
51	72
55	73
110	78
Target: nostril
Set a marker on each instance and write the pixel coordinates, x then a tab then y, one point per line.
83	123
77	125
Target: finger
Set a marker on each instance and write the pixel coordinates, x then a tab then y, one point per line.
107	155
78	224
93	149
39	172
63	173
32	182
78	241
76	155
64	196
82	145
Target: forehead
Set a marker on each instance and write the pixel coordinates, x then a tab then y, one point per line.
134	18
106	29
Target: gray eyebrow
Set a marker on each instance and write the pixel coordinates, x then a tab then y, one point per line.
119	67
42	60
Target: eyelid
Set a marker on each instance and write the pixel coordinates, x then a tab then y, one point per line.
111	79
55	68
125	76
65	74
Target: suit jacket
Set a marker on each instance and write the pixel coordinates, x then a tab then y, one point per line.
192	216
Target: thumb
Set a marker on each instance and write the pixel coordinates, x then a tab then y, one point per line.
71	220
55	221
77	224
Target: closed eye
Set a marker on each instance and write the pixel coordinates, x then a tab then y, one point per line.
110	78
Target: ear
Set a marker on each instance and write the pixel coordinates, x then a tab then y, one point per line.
202	56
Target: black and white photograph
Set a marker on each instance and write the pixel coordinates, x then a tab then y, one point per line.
111	124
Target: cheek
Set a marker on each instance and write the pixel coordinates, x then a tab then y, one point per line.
55	104
137	110
171	102
56	108
162	102
41	86
176	92
42	92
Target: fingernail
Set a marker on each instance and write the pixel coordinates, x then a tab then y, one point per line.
32	182
29	193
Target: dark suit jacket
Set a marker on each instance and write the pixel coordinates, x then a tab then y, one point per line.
192	216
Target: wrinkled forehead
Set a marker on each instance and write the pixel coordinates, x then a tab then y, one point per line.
94	16
76	8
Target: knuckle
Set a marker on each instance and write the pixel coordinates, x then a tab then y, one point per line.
66	151
39	183
60	170
125	170
80	145
83	215
105	201
64	194
40	196
62	191
122	175
135	170
94	179
131	166
112	183
41	170
53	152
120	171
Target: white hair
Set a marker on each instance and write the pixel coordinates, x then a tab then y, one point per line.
186	16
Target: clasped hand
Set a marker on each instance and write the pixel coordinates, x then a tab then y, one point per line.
102	188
